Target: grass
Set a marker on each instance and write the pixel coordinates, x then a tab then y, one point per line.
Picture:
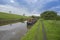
7	16
52	29
35	33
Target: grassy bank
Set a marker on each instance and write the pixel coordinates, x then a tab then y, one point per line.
52	29
6	18
35	33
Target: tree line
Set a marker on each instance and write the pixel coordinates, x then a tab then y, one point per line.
50	15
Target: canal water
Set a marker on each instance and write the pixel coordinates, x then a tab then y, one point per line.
13	31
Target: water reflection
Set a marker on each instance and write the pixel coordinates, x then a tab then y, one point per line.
13	31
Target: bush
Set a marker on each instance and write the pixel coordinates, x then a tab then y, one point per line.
49	15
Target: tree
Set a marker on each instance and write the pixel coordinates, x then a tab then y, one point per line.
33	16
23	14
58	17
49	15
10	11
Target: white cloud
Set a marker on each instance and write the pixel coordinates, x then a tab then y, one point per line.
38	4
59	13
22	10
12	1
7	8
14	10
32	14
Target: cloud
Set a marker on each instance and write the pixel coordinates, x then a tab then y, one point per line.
32	14
39	1
56	8
31	1
7	8
29	6
12	1
14	10
37	5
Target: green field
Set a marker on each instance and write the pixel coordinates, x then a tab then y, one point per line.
7	16
52	29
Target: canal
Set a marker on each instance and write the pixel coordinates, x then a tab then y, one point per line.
13	31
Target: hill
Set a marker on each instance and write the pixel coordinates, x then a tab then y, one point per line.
7	16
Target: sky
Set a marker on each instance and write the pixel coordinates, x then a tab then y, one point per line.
29	7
